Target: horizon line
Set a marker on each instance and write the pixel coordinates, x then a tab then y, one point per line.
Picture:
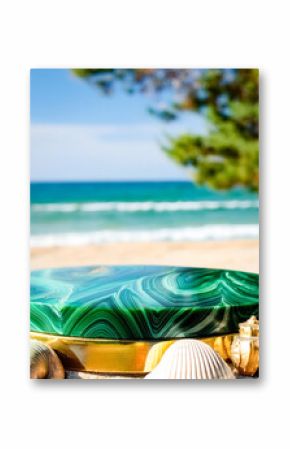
65	181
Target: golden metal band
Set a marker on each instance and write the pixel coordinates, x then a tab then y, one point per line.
117	356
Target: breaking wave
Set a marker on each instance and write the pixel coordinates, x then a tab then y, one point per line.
187	234
145	206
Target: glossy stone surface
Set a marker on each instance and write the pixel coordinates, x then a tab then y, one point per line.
141	302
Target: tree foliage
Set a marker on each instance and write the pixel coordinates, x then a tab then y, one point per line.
228	155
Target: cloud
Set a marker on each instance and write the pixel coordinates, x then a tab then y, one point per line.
102	152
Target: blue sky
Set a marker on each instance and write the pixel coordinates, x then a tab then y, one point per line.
77	133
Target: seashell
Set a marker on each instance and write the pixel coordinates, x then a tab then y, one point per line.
245	355
44	363
249	328
191	359
155	354
245	348
221	345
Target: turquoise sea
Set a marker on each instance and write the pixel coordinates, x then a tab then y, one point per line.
99	212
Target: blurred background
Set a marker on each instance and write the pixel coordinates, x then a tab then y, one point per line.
156	166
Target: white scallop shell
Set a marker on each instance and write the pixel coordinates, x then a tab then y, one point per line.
191	359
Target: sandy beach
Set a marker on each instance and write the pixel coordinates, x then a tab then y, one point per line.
235	254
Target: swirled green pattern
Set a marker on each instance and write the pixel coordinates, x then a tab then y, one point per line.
141	302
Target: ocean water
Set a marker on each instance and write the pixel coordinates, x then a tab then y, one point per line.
101	212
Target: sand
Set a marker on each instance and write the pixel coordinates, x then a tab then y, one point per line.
237	255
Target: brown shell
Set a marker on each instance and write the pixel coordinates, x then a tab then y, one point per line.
44	362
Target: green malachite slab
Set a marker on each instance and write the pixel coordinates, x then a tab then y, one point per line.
141	302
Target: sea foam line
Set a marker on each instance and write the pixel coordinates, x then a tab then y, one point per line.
145	206
207	232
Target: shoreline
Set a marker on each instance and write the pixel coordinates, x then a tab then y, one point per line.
240	255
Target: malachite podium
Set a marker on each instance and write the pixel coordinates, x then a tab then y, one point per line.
120	319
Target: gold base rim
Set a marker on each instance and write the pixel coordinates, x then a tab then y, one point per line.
124	357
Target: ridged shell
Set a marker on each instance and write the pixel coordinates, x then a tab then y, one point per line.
245	348
245	355
44	363
155	354
191	359
250	328
222	345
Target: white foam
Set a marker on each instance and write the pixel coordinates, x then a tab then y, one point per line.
145	206
207	232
